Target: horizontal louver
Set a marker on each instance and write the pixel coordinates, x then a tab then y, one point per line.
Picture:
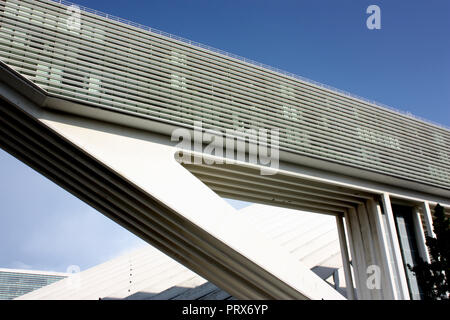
117	65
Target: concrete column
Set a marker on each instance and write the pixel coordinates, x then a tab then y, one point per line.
395	245
388	269
345	259
354	261
369	248
359	257
428	218
420	235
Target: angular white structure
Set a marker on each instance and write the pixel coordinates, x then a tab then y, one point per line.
93	103
148	274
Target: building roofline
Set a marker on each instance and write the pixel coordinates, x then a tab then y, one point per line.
25	271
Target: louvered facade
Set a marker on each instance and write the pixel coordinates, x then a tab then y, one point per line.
123	67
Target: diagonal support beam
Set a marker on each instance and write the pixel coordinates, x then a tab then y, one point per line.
395	245
133	178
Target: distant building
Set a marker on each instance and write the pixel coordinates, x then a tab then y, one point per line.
15	283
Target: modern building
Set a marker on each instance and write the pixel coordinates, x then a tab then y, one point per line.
15	283
103	107
148	274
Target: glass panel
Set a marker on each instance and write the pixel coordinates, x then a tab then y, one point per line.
408	245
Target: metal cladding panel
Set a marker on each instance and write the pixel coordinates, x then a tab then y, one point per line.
113	64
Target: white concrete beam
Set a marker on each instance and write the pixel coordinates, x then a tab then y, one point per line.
147	161
381	237
395	245
345	259
420	235
359	261
428	219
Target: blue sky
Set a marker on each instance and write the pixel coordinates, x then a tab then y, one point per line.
405	64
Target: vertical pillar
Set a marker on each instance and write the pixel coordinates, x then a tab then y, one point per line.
381	238
428	218
354	261
358	255
369	247
395	245
420	235
345	259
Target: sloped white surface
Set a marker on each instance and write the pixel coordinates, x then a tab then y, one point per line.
146	273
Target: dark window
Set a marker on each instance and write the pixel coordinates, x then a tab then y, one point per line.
408	244
74	78
37	44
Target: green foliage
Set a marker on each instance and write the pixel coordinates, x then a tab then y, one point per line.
433	277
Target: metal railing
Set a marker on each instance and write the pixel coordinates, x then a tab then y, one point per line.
249	61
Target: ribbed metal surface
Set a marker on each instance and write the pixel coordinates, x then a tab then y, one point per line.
119	66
